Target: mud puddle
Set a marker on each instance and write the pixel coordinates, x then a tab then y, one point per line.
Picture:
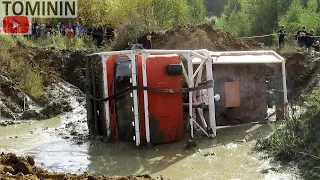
60	144
229	156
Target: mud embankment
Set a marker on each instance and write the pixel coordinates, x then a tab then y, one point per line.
14	167
201	37
56	66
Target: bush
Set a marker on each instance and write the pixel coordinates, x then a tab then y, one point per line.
129	31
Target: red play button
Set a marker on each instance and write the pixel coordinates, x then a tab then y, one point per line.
15	24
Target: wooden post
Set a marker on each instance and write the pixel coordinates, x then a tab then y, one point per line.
94	94
89	104
279	92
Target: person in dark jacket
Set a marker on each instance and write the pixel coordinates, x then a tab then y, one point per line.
281	35
100	34
310	39
301	37
89	31
146	40
94	33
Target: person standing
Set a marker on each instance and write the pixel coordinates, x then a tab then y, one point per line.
69	31
99	36
310	39
301	37
110	32
281	35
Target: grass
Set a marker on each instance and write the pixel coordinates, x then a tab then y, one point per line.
54	42
28	78
297	139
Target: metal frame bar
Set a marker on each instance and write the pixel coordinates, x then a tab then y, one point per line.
208	58
145	95
106	93
136	124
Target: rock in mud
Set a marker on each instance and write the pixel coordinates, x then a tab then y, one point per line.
209	154
7	169
191	143
31	160
30	114
54	108
3	124
6	112
24	167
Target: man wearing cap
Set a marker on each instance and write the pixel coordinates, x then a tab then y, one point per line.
301	37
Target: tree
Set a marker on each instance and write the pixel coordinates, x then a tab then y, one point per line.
197	11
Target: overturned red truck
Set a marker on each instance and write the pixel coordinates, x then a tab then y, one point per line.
147	96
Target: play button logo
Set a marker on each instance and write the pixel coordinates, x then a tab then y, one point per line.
15	25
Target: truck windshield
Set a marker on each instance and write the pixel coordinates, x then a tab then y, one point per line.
124	104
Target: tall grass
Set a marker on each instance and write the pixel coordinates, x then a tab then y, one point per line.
28	77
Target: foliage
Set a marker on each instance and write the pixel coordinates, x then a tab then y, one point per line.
215	7
297	139
197	11
260	17
155	13
297	15
29	78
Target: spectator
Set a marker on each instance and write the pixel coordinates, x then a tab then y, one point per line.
310	39
74	28
63	30
281	35
301	37
99	36
146	40
110	32
49	28
69	31
94	33
58	29
79	29
89	31
34	27
43	30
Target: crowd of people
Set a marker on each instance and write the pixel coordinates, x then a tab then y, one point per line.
98	33
305	39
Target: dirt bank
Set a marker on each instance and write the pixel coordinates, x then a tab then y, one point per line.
54	66
14	167
200	37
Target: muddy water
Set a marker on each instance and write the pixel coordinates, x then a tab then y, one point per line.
229	156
